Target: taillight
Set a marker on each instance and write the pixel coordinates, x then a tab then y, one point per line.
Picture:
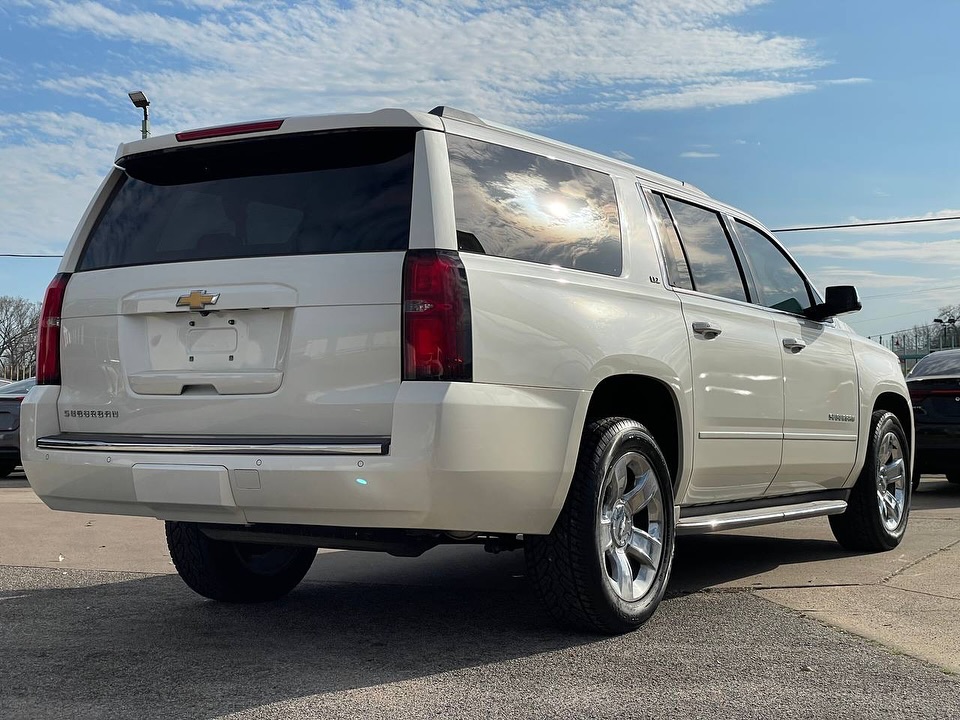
48	336
436	317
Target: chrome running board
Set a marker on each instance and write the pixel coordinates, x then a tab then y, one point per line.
758	516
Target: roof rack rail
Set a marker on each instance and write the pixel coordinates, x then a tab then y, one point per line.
445	111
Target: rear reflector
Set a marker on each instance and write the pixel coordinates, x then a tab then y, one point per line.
437	342
226	130
48	335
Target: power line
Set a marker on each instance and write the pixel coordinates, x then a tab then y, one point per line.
910	292
877	223
25	255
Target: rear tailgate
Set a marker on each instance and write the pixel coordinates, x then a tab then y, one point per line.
243	288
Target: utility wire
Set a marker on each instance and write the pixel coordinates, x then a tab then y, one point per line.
877	223
23	255
911	292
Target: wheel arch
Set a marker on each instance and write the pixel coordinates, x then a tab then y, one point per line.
650	401
897	404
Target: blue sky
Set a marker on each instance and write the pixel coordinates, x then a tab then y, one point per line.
800	112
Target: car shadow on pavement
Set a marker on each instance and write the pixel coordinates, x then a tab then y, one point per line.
173	654
705	561
936	494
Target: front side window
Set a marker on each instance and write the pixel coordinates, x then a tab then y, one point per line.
520	205
712	263
779	284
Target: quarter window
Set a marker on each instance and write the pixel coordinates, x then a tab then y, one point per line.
523	206
712	263
678	272
779	284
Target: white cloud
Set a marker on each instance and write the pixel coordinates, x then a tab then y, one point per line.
719	94
934	252
833	275
849	81
50	164
698	154
226	60
621	155
509	61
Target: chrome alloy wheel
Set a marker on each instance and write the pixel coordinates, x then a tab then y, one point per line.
891	481
630	526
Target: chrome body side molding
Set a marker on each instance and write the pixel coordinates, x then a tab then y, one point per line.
209	444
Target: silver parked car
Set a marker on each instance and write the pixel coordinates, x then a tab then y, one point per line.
11	395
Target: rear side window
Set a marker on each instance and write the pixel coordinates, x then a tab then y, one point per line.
523	206
343	192
678	272
712	263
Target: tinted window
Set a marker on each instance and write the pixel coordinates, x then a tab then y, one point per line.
938	363
678	273
779	283
293	195
712	262
523	206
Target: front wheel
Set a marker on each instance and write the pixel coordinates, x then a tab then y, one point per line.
952	477
879	504
605	565
6	468
235	571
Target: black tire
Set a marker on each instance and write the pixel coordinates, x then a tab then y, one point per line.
568	569
863	526
6	468
233	571
952	477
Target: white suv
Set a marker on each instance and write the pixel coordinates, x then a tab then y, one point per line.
392	330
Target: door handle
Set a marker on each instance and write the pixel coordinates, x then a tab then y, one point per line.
708	330
794	345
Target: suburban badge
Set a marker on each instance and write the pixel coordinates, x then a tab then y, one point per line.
840	417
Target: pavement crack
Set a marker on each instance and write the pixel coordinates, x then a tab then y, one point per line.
918	561
921	592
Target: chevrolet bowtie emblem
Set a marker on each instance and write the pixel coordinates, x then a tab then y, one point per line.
197	300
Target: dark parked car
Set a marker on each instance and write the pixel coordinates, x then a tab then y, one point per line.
11	396
935	392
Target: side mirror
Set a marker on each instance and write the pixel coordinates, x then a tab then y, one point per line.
840	299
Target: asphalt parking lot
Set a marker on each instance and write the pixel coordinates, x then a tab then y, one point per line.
773	622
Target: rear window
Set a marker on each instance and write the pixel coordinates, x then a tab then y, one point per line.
344	192
938	363
523	206
18	388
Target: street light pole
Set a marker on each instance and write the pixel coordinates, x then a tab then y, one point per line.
941	332
139	100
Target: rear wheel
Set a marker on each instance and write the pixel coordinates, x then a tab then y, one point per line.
879	504
606	563
6	468
234	571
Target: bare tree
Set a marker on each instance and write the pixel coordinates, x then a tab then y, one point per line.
19	319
